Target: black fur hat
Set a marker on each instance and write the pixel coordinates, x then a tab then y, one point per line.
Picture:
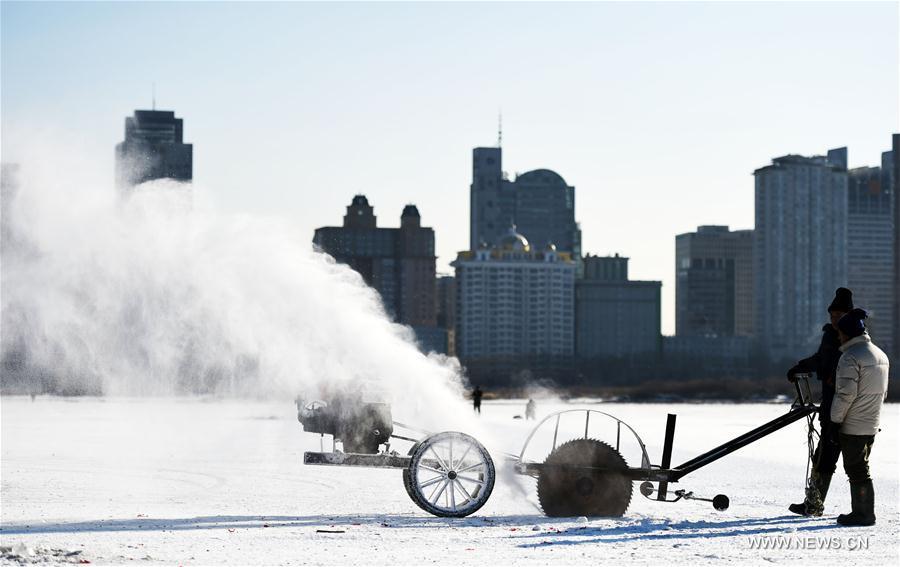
843	300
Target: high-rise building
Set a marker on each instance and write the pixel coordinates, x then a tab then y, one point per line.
491	207
540	203
513	300
153	148
870	247
800	249
714	282
398	262
615	316
446	309
895	191
893	181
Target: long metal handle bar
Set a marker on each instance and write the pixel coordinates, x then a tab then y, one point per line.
780	422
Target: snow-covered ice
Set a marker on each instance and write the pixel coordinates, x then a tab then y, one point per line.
211	482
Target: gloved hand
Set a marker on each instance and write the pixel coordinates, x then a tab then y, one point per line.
792	373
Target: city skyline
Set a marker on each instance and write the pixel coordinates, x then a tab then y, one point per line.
629	118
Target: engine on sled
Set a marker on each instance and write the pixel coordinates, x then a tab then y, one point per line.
360	426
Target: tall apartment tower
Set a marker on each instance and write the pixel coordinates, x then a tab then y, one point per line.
714	282
870	247
398	262
514	301
800	249
895	190
153	148
540	203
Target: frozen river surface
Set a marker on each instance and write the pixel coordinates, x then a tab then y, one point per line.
212	482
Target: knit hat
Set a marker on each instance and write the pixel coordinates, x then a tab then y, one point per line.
843	300
853	324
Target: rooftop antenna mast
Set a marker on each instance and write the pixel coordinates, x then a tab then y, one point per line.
500	129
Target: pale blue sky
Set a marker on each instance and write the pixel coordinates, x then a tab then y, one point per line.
657	113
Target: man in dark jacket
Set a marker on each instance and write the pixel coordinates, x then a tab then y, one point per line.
824	363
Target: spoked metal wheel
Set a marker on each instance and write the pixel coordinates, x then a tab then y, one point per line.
450	474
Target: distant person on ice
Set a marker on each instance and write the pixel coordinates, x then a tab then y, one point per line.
477	394
862	381
824	363
530	408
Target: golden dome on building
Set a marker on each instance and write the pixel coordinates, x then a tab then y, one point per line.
514	241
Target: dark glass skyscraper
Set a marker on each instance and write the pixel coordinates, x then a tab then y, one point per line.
894	181
870	247
615	317
714	282
540	203
153	148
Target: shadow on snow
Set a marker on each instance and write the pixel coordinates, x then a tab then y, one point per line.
656	529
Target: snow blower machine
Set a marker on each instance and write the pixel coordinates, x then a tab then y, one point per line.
450	474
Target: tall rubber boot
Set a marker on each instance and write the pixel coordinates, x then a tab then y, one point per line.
814	504
815	499
862	504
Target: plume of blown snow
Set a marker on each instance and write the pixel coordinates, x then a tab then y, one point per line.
162	294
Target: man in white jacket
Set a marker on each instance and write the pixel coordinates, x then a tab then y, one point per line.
861	388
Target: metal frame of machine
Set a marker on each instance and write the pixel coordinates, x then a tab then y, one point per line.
581	477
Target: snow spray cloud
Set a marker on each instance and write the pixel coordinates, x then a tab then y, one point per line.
151	295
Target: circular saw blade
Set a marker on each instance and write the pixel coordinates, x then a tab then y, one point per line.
584	477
